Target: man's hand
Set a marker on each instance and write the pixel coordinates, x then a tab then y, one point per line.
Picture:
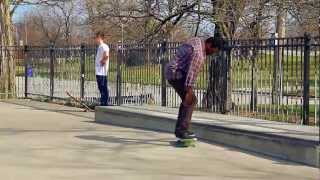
190	98
102	62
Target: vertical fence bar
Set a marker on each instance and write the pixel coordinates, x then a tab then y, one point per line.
26	65
51	70
82	69
318	123
163	79
275	87
119	77
228	85
317	58
253	96
306	83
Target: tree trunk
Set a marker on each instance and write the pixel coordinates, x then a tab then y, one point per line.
278	64
281	23
257	34
219	91
7	65
218	95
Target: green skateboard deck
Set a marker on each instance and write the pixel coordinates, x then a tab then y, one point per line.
185	143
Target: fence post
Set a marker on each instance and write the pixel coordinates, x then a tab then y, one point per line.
51	68
228	83
306	83
275	81
253	99
163	49
82	69
26	65
318	123
119	77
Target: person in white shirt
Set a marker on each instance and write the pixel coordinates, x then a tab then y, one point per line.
102	67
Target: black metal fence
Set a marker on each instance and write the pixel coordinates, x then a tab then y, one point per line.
275	79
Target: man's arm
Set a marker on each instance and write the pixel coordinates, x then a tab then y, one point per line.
192	75
105	58
105	55
194	69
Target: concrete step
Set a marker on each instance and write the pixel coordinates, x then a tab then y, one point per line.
291	142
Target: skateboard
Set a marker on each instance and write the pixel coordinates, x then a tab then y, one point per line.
85	106
185	143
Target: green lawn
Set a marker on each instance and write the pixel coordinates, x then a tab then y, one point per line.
241	72
285	113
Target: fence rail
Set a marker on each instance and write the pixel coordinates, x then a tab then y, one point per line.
275	79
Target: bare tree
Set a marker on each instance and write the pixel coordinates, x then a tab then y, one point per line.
65	11
152	16
304	17
49	24
7	65
7	62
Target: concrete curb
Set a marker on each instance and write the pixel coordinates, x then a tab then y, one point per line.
287	148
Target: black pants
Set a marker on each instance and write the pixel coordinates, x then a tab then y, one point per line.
185	110
103	88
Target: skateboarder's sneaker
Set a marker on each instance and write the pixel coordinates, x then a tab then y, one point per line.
192	135
186	135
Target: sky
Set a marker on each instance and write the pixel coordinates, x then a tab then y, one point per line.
20	12
206	28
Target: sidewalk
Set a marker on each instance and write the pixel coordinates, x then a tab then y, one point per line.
42	141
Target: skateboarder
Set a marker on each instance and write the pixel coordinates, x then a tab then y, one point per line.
102	68
182	73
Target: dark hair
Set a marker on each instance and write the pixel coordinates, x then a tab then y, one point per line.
100	34
216	42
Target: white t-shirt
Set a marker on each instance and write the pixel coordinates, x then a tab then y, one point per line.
102	70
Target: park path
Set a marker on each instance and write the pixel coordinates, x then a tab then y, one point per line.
41	141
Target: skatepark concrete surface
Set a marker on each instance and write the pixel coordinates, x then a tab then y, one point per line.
291	142
41	141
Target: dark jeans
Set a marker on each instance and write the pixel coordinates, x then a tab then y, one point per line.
185	110
103	88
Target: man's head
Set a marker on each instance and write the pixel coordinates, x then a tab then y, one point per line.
99	37
213	45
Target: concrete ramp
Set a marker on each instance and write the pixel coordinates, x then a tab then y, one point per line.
291	142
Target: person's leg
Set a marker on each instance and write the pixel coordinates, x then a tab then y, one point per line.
99	83
104	91
186	115
179	124
185	110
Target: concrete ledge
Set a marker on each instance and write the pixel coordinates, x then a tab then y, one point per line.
265	137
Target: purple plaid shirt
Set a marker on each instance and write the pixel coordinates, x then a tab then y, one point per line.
187	63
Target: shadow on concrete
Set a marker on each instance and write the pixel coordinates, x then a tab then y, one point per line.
15	131
51	110
139	128
252	153
126	141
132	141
32	104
